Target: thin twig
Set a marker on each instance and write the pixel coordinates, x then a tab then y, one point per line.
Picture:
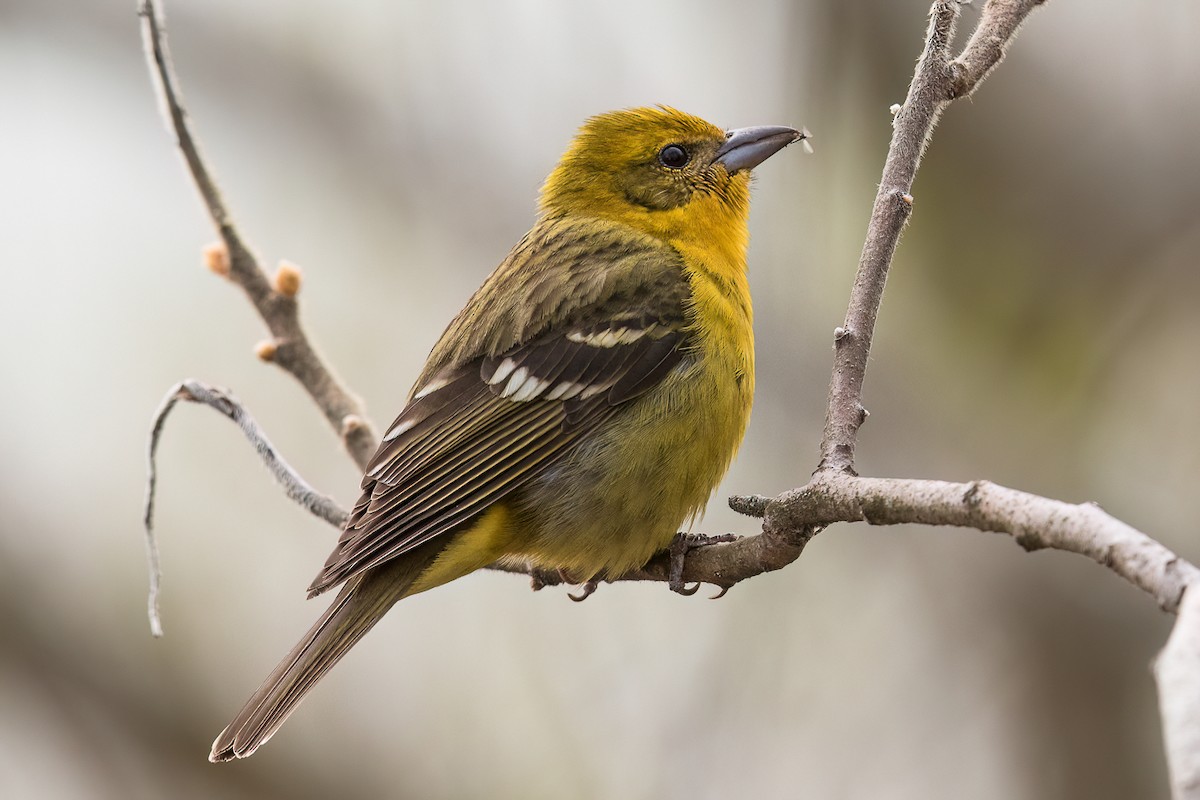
934	85
294	486
291	348
988	44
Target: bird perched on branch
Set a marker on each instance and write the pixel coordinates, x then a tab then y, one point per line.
582	406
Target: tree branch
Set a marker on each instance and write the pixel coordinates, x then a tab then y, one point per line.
275	300
1034	522
1177	671
835	493
777	545
936	82
294	486
793	518
988	44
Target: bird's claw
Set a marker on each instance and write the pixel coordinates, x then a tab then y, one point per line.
587	588
681	545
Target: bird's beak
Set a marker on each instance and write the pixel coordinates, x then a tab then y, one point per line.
746	148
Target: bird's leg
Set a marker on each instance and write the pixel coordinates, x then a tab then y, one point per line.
681	545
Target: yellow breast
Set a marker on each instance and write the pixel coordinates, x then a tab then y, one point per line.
623	494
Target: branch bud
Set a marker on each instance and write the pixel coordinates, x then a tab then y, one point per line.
266	349
216	258
351	423
287	278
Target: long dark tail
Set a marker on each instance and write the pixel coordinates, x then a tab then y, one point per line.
360	604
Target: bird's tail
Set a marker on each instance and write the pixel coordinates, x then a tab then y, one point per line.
359	605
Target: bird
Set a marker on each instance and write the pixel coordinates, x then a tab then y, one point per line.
580	408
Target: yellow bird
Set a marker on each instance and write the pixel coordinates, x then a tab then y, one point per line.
582	406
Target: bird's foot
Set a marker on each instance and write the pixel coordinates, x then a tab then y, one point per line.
681	545
541	577
586	590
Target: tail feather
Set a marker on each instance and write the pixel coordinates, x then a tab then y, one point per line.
360	604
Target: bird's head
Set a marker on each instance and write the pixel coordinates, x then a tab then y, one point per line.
663	172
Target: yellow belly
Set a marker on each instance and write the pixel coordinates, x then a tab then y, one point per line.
623	494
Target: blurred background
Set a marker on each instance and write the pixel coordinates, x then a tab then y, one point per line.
1040	330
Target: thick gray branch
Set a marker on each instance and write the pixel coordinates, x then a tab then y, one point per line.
1034	522
1177	671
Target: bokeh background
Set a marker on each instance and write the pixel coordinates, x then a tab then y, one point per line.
1040	330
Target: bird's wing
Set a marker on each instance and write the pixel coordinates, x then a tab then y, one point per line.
476	430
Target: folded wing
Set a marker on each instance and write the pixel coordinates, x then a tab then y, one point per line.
476	431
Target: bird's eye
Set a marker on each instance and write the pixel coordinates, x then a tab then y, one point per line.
673	156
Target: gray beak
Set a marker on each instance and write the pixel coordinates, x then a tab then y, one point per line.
746	148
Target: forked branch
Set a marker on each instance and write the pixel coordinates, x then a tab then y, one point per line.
939	79
275	300
835	493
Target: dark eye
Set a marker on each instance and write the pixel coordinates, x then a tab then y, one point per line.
673	156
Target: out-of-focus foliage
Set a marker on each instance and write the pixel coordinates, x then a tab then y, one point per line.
1040	330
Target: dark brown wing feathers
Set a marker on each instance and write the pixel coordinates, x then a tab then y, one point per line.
477	441
657	360
475	428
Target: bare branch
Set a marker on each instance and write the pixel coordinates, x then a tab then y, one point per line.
1034	522
754	555
933	86
988	44
294	486
792	519
1178	679
275	304
835	493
